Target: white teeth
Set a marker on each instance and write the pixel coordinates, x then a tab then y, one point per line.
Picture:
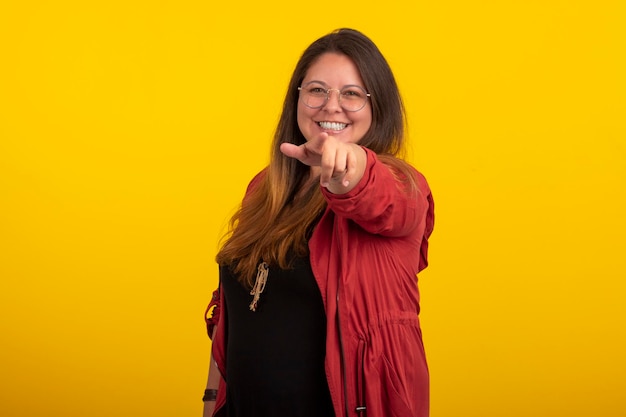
332	125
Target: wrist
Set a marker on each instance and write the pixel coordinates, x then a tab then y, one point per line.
209	395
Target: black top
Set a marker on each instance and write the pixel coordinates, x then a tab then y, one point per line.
275	355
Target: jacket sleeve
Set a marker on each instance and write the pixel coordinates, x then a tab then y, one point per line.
382	203
428	230
214	318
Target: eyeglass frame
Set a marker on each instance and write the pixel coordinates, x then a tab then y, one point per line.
328	90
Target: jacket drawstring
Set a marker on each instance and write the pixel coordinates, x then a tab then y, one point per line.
259	284
361	407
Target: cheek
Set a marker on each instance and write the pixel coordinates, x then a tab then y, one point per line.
300	115
363	129
303	117
366	122
300	119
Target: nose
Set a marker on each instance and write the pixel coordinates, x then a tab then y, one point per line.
332	103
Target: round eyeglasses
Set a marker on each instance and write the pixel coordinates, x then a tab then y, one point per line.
316	95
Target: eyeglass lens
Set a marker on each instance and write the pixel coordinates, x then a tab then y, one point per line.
351	98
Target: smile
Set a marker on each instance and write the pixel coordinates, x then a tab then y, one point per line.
332	125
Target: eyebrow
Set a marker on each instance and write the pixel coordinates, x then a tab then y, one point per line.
327	86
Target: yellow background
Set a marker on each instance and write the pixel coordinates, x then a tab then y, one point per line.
129	129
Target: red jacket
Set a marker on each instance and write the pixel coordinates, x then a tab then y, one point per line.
365	254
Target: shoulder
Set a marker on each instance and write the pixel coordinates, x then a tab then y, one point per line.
257	180
401	170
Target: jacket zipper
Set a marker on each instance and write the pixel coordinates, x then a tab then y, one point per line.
343	358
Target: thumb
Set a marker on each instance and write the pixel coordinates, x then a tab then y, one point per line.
291	150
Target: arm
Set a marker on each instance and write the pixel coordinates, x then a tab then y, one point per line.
214	377
384	202
358	186
213	382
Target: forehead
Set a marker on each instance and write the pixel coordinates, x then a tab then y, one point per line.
333	69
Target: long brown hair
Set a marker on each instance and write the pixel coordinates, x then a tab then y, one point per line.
277	215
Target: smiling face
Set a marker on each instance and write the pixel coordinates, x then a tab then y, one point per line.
334	71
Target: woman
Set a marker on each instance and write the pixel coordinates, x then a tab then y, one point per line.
317	309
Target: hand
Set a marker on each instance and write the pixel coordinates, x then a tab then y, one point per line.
342	164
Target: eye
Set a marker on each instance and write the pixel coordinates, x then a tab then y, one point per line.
317	91
353	93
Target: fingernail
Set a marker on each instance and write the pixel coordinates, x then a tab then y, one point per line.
346	183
